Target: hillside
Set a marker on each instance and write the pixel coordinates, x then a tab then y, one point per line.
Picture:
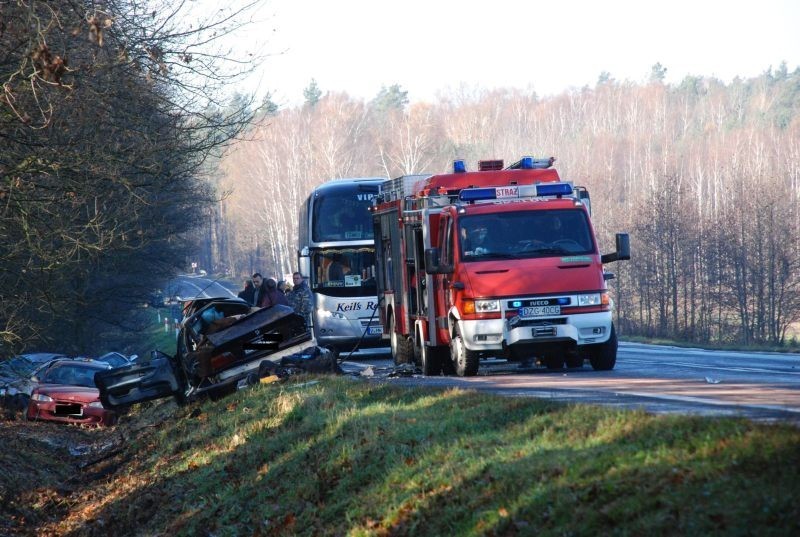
339	456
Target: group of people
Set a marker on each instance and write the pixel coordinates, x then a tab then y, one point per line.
263	293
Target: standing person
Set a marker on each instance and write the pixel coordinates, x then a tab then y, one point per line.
282	287
272	296
259	290
248	293
300	297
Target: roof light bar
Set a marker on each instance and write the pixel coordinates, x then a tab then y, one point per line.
553	189
459	166
515	191
531	163
475	194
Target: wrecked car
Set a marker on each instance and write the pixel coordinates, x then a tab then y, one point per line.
221	342
64	391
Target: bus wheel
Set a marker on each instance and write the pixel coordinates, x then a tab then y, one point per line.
402	347
464	361
603	357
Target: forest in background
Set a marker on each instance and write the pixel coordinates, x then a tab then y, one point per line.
703	174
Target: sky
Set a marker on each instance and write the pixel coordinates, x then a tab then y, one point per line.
433	47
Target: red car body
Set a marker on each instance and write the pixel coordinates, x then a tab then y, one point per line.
75	403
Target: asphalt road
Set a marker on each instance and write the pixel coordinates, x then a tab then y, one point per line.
758	385
189	287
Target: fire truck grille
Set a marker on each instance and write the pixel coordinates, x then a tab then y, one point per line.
541	322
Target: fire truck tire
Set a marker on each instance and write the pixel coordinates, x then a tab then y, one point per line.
464	361
402	346
603	357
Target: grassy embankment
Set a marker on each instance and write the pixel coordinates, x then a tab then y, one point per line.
344	457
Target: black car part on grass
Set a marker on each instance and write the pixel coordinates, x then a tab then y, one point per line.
213	359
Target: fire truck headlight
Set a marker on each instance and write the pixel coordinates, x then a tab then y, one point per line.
589	300
487	306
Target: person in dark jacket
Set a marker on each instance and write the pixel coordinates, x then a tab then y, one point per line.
271	295
260	289
300	297
248	293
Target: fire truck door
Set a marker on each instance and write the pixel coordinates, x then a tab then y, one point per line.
444	293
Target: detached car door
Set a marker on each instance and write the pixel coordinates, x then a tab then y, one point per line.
139	382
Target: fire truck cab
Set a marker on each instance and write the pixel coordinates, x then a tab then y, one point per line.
500	262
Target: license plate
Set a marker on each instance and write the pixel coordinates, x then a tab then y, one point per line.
374	330
539	311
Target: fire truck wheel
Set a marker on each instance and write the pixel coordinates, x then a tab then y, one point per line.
402	347
603	357
465	362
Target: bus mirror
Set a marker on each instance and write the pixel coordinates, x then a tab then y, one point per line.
623	252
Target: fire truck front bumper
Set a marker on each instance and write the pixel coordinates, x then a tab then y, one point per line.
493	335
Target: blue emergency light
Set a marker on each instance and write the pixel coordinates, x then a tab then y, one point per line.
475	194
532	163
513	191
459	166
553	189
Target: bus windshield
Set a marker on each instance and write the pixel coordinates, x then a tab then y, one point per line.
512	235
344	272
342	214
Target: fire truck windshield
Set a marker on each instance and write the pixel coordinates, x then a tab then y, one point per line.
344	272
523	234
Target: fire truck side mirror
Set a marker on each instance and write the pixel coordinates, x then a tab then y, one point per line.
432	265
623	252
304	264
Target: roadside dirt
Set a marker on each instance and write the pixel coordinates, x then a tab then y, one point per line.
52	474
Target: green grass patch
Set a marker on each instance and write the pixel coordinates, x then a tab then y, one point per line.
343	457
155	336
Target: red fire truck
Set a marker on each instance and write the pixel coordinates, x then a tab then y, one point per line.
500	262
